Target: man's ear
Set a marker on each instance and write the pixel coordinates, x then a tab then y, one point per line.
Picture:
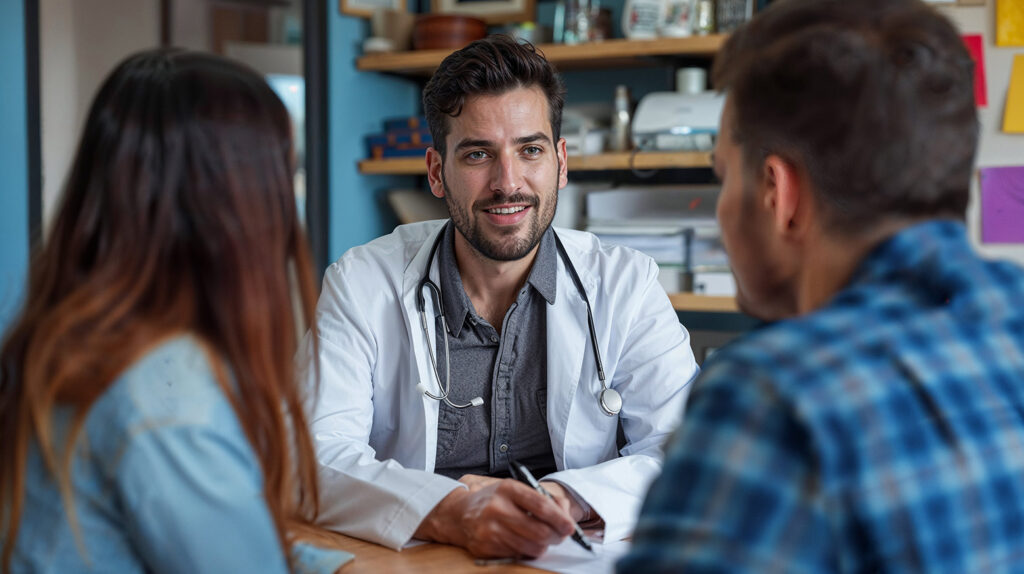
785	196
434	168
563	163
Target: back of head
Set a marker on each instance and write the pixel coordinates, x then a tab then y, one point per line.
873	97
178	217
492	66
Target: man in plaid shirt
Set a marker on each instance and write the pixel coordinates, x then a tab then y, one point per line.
878	423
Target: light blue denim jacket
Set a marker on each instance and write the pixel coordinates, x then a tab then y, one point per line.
164	480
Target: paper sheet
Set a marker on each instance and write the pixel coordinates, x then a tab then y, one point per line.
1013	121
569	558
975	46
1002	205
1010	23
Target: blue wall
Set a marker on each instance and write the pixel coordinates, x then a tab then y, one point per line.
358	102
13	160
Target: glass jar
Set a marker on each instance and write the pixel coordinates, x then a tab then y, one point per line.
704	18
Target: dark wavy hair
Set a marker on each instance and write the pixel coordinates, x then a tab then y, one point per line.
178	217
494	65
874	97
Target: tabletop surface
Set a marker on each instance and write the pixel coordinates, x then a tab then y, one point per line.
423	559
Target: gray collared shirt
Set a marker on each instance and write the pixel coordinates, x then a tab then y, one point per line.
508	370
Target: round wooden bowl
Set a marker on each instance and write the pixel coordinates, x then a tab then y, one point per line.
446	31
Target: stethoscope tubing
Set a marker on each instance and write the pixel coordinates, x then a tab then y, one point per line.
608	399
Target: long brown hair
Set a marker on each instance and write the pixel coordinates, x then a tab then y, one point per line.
178	217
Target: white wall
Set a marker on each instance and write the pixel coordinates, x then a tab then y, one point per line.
190	24
997	148
80	43
58	78
267	58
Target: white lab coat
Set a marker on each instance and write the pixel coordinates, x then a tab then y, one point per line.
376	435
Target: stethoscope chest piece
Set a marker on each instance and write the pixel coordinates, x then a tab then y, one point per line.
611	402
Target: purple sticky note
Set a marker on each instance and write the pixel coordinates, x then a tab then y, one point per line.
1002	205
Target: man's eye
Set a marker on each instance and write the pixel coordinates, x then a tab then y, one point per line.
477	155
533	150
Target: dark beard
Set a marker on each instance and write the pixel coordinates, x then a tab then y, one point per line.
499	251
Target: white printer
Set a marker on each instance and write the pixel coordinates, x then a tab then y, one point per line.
672	121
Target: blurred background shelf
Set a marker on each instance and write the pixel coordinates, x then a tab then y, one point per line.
642	160
607	54
597	162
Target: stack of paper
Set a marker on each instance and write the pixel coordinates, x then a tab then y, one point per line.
673	224
570	558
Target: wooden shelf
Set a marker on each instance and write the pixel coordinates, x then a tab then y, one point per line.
607	54
643	160
600	162
398	166
707	303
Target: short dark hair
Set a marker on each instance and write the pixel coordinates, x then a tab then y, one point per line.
874	97
491	66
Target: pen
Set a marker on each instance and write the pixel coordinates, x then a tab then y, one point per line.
523	474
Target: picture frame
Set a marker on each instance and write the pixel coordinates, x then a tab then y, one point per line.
490	11
365	8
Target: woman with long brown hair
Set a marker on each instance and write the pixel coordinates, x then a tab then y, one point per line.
149	416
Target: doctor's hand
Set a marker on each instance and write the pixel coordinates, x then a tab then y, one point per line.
476	482
503	519
564	499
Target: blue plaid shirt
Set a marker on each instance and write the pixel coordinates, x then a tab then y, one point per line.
884	432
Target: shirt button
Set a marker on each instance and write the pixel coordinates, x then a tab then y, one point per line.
494	338
503	448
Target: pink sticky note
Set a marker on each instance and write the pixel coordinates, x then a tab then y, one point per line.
975	46
1002	205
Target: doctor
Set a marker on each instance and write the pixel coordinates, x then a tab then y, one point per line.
447	348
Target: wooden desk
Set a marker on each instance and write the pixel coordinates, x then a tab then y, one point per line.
708	303
424	559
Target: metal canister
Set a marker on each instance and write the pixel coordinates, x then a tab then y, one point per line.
704	18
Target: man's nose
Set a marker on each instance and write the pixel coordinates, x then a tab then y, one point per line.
507	175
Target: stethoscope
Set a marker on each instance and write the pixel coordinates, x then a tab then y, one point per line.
609	399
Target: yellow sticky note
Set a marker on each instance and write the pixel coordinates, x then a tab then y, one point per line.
1010	23
1013	122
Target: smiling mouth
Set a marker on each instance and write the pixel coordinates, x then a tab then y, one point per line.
505	210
